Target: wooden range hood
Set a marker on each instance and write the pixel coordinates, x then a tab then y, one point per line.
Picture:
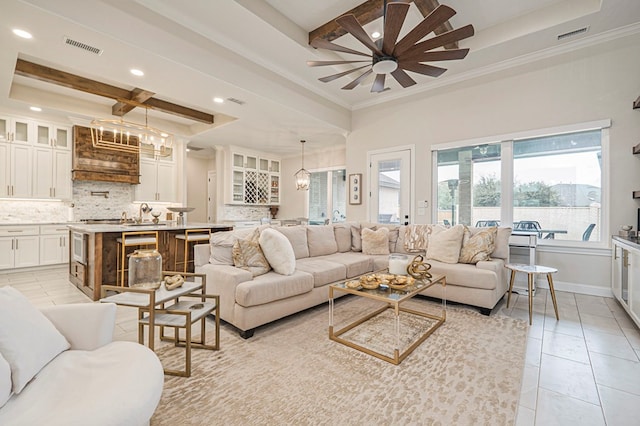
105	165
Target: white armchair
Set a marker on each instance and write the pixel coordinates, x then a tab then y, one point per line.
96	381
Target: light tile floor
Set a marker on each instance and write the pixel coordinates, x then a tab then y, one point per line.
581	370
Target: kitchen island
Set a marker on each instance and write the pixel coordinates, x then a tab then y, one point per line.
94	250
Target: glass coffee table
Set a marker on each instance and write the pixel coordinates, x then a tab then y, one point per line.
392	299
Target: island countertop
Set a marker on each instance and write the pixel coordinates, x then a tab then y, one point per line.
162	226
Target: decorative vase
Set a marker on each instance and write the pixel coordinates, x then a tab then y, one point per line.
398	264
145	269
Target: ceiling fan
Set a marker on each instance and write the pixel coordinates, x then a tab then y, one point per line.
389	57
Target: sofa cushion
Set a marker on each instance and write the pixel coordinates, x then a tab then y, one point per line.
28	340
5	380
321	240
222	245
356	263
278	251
477	244
356	238
271	286
445	244
323	271
343	236
116	384
415	238
248	255
375	242
393	235
467	275
297	236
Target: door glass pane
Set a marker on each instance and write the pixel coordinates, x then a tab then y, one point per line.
469	185
389	191
557	186
339	195
318	197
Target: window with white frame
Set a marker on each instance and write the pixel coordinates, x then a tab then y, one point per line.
327	196
552	188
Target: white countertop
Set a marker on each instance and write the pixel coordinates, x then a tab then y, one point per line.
162	226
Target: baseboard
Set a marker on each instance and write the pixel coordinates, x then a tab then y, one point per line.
569	287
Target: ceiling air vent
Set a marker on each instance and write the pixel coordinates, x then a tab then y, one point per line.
573	33
83	46
236	101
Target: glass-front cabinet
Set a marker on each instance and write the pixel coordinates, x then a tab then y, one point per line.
255	180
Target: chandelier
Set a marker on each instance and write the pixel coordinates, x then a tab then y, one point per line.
303	177
126	136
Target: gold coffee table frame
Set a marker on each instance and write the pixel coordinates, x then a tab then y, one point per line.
393	300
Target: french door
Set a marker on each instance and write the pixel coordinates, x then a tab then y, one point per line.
390	186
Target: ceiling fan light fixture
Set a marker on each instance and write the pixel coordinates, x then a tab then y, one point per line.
385	65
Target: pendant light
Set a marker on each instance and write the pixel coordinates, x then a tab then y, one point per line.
303	177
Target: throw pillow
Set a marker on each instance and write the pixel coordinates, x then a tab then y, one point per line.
444	244
477	246
278	251
502	243
28	340
222	245
297	236
5	381
343	237
247	255
356	238
375	242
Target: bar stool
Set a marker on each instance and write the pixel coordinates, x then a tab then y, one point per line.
138	239
531	270
195	236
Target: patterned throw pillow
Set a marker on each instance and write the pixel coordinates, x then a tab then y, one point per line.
477	246
248	255
375	242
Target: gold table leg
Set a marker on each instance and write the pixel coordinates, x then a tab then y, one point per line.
530	282
513	276
553	295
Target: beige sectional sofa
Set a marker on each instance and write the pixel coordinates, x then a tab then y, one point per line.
325	255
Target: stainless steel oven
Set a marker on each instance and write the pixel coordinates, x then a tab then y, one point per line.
79	247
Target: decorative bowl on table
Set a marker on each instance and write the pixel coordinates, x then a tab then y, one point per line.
181	210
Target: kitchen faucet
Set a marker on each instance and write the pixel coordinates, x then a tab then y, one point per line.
144	208
123	218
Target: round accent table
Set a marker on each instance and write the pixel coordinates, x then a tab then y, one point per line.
531	270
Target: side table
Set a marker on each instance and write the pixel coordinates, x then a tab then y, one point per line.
531	270
181	314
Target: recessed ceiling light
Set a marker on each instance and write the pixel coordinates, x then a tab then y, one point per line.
218	100
35	108
137	72
22	33
375	34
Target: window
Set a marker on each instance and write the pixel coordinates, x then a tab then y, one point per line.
327	196
555	191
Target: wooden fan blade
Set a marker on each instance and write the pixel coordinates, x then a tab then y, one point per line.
358	80
378	83
429	70
340	74
441	14
403	78
444	38
351	24
395	16
440	55
324	63
320	43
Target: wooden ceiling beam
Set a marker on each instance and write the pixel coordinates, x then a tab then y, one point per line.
371	10
138	95
72	81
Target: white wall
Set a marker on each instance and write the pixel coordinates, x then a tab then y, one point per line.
594	83
293	203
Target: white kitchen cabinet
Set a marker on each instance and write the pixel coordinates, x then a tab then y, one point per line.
54	244
52	173
18	130
16	177
157	181
19	246
254	180
625	279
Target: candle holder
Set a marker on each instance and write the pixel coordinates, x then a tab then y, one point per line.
398	263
